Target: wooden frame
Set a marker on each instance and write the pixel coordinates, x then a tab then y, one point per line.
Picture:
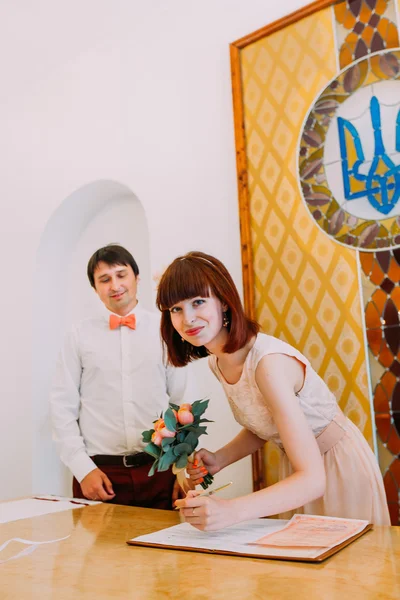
242	176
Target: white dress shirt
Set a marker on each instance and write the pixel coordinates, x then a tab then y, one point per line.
109	386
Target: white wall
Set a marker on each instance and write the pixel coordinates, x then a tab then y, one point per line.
133	92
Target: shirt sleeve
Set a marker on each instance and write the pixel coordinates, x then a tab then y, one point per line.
65	408
178	388
180	382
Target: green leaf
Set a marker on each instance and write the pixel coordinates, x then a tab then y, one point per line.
182	461
189	427
153	468
166	460
197	402
174	406
192	440
170	420
182	449
199	411
201	430
194	427
167	442
153	450
199	407
181	437
205	421
146	435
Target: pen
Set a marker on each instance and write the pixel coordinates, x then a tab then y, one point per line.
58	500
218	489
48	499
211	492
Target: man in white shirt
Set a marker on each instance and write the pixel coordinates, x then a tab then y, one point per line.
111	383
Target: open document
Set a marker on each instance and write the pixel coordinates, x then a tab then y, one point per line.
251	538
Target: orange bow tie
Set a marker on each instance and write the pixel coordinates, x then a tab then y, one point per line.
129	321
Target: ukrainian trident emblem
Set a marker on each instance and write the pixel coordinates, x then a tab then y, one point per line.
349	154
381	184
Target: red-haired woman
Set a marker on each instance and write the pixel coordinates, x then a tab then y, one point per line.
327	467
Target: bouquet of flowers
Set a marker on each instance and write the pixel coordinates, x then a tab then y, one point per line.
174	438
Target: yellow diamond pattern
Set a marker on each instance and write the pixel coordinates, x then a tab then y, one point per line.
306	284
329	315
264	263
266	117
266	319
274	229
303	223
255	146
263	65
341	277
291	257
270	172
314	349
309	286
297	320
279	293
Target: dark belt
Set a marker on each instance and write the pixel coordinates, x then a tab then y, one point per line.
127	460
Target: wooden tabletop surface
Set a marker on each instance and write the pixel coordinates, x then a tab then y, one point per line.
95	563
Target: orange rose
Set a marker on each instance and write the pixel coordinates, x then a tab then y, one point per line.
186	407
185	417
156	438
166	433
159	424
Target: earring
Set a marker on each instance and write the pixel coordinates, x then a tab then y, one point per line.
225	320
182	340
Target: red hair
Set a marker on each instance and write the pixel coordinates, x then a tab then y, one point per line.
199	274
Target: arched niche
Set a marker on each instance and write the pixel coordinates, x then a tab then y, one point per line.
96	214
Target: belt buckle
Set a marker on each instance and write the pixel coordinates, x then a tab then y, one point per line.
124	461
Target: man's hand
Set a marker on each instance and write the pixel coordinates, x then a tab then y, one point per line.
97	486
177	492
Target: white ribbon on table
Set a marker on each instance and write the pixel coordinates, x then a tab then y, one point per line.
31	547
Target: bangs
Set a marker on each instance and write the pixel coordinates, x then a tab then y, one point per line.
182	280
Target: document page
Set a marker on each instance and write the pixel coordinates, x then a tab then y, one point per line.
313	531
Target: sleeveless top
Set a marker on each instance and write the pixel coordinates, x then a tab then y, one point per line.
249	407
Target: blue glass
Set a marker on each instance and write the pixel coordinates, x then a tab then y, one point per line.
381	189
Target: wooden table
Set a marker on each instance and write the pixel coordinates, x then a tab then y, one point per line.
95	563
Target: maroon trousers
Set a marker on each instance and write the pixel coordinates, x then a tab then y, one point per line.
133	487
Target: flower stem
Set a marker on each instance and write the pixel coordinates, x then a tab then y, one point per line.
208	479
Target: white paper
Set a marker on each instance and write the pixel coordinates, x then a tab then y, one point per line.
15	510
235	539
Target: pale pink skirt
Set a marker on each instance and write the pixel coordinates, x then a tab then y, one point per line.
354	484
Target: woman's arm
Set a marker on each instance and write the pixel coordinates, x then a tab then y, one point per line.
277	377
242	445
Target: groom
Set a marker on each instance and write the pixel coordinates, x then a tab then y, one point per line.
111	383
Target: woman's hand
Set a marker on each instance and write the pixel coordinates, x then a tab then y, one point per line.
204	462
207	513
